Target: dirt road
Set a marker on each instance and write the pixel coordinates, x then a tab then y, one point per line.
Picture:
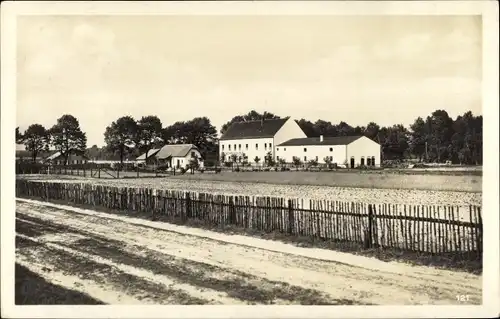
116	260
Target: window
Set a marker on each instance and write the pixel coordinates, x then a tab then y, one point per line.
229	147
331	158
270	145
235	147
316	158
305	158
222	146
256	146
331	149
239	147
265	146
193	154
278	149
284	149
277	158
305	149
246	147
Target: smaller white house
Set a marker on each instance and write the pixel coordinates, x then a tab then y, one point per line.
57	158
351	151
172	155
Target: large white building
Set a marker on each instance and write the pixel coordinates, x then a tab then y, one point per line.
257	138
285	139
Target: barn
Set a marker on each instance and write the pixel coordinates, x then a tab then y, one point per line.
352	151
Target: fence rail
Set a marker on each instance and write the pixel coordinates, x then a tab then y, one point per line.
431	229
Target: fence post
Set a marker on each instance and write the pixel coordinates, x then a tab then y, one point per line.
232	211
290	216
369	233
188	206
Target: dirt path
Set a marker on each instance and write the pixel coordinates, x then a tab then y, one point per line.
118	261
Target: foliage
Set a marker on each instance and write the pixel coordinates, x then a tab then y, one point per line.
269	160
313	163
67	136
149	133
198	131
244	158
36	139
250	116
19	136
120	136
193	164
437	138
297	162
256	160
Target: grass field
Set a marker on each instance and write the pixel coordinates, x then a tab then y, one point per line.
345	194
460	183
379	180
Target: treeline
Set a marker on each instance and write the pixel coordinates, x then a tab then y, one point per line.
129	137
125	138
437	138
65	136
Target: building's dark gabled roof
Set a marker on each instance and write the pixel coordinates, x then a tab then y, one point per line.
327	140
253	129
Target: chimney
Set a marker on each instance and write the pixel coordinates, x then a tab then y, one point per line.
321	138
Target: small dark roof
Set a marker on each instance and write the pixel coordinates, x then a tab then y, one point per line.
253	129
327	140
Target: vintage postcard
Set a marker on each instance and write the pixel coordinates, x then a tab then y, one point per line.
249	159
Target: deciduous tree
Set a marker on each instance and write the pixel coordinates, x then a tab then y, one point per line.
36	139
120	136
67	137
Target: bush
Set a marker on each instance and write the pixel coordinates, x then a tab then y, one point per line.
237	169
183	170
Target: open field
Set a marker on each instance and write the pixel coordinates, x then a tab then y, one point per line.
124	260
377	179
346	194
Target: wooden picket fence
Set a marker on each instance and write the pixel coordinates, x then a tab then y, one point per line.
430	229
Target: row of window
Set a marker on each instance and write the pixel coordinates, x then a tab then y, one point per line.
305	158
257	147
266	145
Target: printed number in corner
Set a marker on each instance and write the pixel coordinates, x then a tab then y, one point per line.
463	298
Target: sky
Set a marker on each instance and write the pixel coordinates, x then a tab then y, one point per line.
356	69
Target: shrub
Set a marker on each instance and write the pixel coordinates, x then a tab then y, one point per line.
237	169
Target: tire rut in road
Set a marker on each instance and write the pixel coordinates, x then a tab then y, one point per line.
106	275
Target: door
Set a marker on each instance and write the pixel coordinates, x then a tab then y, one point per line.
178	163
352	162
362	161
373	160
